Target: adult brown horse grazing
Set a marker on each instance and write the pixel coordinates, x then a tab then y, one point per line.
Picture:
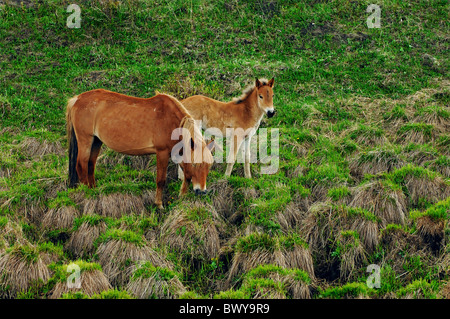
133	126
243	114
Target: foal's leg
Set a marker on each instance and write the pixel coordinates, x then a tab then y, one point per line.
232	160
247	172
162	161
95	150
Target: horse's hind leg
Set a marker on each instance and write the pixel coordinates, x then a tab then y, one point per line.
95	150
84	153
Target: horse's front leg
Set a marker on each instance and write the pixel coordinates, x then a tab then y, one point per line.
162	161
247	171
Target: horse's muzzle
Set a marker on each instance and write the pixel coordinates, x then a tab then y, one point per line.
270	113
200	192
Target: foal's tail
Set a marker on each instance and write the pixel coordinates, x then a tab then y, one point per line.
73	145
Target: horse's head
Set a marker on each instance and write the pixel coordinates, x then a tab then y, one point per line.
195	170
265	96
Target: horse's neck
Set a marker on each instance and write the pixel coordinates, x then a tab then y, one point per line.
252	109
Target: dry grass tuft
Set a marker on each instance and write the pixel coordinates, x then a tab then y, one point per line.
419	133
430	189
92	282
222	197
291	217
431	230
380	159
111	159
365	135
420	154
384	199
59	218
327	229
117	257
352	254
444	293
398	243
272	281
31	146
33	213
21	268
116	205
11	233
324	220
261	249
193	229
81	241
148	281
439	117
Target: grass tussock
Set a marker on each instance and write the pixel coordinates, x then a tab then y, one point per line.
419	133
59	218
403	248
384	199
421	184
33	147
22	268
92	280
86	231
11	233
150	282
119	250
261	249
110	159
115	205
193	229
272	282
340	237
378	160
222	197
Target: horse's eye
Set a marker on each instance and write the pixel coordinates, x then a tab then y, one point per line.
260	97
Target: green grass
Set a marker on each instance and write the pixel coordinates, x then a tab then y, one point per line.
342	91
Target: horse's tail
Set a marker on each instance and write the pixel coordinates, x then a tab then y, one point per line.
73	145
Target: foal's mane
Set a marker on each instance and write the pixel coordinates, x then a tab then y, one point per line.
248	91
188	122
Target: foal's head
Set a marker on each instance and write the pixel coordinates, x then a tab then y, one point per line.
265	96
196	170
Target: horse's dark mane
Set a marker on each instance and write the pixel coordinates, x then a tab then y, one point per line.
248	91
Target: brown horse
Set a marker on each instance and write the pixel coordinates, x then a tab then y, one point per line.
244	114
133	126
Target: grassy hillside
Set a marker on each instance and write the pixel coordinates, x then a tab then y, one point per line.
364	177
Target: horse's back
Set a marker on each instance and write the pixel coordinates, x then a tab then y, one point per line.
124	123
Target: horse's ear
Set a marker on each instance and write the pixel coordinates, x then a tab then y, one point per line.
271	82
258	83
